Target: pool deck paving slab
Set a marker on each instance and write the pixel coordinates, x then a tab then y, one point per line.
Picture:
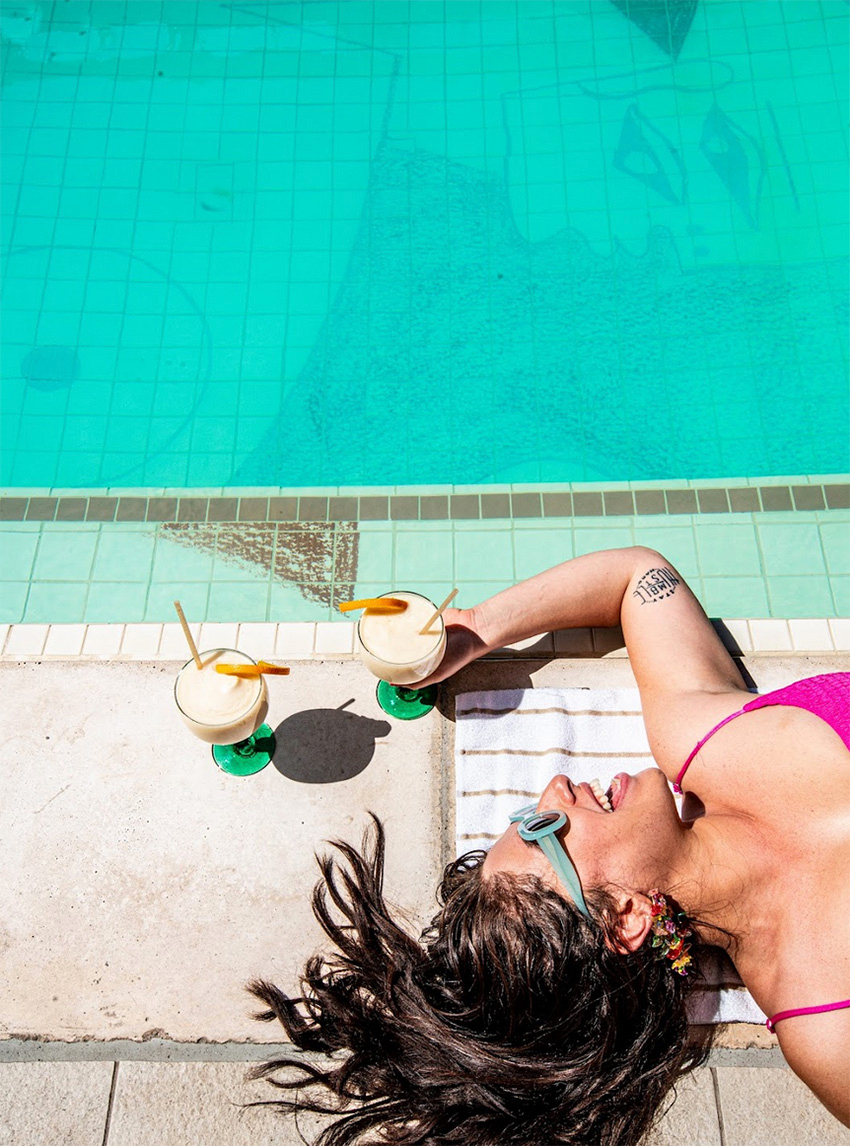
190	1103
146	887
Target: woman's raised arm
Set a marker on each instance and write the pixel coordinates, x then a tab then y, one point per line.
667	633
675	653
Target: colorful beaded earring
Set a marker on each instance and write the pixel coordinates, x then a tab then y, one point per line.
669	932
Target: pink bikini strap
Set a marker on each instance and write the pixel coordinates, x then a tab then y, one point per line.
780	1015
677	783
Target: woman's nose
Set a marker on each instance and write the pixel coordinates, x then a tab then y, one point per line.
556	795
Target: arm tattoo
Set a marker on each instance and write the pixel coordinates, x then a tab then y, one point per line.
655	585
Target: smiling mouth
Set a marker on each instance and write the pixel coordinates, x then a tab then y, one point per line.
603	798
610	800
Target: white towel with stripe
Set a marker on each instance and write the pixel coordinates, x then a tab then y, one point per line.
508	746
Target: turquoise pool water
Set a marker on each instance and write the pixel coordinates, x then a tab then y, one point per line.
346	244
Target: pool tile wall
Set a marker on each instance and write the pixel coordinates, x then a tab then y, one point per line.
309	506
780	550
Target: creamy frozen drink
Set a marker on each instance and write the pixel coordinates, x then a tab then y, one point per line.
220	708
392	645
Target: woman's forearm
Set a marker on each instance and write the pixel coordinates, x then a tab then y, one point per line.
584	591
663	623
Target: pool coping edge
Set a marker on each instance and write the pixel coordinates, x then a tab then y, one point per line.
331	640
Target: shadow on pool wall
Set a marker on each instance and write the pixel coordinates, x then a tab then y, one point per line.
457	351
318	558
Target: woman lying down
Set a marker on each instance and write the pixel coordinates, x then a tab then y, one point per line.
546	1002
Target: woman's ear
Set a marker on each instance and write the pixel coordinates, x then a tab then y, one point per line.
634	922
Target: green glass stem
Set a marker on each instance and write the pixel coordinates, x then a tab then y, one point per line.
406	703
248	756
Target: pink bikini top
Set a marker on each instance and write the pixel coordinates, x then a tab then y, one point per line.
827	696
780	1015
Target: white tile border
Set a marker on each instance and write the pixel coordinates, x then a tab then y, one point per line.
26	640
770	634
324	640
811	635
101	641
295	640
257	639
334	638
218	635
172	643
140	642
573	642
65	640
543	645
840	629
739	631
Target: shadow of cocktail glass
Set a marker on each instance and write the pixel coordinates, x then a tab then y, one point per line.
326	745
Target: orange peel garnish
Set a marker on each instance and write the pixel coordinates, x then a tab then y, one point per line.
263	668
375	605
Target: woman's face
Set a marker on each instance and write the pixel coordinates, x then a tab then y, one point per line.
634	847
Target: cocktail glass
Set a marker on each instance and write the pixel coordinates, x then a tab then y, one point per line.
393	647
226	711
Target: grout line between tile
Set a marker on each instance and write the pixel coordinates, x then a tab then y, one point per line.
109	1104
716	1084
169	1050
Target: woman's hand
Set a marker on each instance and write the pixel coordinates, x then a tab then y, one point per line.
463	644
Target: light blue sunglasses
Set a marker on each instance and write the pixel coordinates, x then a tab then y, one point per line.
540	828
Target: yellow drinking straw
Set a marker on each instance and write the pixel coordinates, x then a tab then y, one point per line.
192	646
439	612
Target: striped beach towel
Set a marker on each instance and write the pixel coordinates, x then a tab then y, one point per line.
509	744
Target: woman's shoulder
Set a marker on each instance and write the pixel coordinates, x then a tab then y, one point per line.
764	756
678	721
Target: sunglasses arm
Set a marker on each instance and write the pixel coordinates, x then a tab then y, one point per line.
565	872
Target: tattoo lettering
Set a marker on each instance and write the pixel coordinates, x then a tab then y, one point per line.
655	585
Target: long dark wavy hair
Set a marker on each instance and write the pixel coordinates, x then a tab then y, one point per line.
511	1020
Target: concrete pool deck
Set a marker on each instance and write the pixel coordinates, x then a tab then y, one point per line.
144	887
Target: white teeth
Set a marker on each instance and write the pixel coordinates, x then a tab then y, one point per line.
600	795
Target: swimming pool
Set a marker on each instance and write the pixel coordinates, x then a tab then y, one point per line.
300	251
405	243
